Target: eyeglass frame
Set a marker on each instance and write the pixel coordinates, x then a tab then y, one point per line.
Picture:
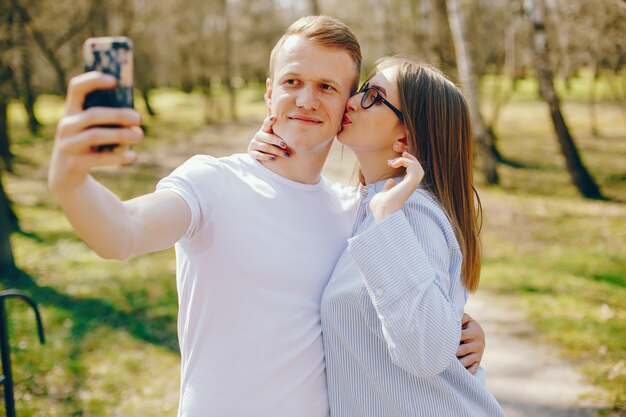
378	99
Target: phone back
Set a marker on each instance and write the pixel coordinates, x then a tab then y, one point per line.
114	56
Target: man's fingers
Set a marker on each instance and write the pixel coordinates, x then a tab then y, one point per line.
469	360
466	318
86	140
106	159
465	348
473	368
83	84
471	331
97	116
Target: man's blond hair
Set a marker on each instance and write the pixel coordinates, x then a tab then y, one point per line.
326	31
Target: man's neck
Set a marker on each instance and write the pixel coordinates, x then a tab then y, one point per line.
305	168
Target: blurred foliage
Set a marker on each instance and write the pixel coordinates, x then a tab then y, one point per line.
111	326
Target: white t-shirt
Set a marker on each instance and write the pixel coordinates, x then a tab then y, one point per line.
251	270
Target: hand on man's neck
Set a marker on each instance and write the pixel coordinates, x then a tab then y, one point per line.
302	167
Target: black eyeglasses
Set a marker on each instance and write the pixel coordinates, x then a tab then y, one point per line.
372	95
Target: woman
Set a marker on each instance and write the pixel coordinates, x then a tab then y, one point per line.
391	313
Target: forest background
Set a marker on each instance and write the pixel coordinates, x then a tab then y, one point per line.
546	83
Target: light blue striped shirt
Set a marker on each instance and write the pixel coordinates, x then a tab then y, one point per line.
391	318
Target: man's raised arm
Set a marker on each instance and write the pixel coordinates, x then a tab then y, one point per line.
111	227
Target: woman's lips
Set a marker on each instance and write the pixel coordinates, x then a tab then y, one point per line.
345	121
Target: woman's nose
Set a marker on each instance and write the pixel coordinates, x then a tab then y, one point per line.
353	102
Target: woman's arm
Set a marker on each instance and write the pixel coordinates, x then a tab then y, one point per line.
407	280
406	267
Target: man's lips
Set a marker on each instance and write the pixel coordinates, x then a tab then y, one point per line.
305	119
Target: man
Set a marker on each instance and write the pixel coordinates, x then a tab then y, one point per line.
254	247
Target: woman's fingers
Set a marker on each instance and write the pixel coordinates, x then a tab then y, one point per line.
260	156
389	184
267	124
414	170
266	134
265	145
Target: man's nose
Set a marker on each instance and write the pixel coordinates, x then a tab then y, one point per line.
307	98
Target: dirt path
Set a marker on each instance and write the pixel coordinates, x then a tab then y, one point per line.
526	375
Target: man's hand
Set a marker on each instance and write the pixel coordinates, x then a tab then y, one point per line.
472	346
265	145
80	131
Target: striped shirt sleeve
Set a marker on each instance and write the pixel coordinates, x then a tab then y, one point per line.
405	262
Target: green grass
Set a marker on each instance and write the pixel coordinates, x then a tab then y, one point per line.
559	257
111	326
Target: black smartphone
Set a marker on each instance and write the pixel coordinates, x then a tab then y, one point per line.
113	56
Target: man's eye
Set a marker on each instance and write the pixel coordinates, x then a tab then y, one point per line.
291	81
327	87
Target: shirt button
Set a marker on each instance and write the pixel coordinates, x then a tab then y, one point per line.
379	292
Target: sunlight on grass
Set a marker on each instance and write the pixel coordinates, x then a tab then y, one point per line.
562	260
111	326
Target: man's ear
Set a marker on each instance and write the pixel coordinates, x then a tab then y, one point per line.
268	95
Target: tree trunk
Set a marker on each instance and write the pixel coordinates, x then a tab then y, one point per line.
28	92
315	7
576	168
41	42
593	114
145	94
228	61
7	263
484	137
7	221
6	76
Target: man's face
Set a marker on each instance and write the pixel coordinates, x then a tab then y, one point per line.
308	92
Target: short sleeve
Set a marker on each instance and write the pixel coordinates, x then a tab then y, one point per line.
198	182
347	195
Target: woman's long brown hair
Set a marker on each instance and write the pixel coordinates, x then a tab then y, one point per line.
440	136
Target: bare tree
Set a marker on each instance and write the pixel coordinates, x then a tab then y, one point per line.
29	95
484	137
314	6
7	263
575	166
228	63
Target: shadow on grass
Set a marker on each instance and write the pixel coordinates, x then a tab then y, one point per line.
53	236
89	313
535	290
515	164
610	278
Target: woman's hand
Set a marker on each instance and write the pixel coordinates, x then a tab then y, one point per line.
472	346
393	196
265	145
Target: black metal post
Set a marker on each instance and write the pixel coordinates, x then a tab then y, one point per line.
5	349
7	375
